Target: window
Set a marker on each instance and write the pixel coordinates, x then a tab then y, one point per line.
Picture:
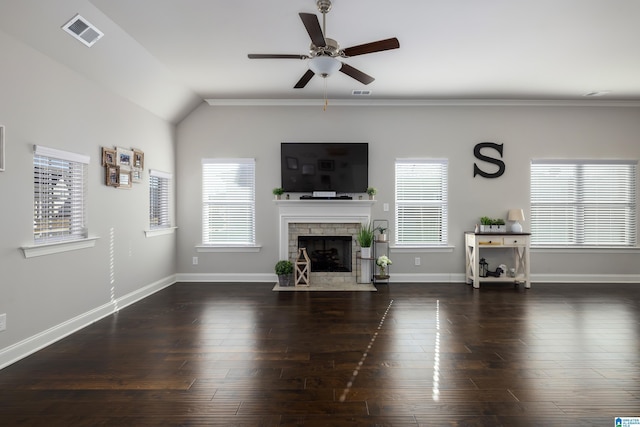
583	203
159	185
60	195
421	202
228	202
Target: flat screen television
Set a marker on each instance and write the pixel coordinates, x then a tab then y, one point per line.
324	166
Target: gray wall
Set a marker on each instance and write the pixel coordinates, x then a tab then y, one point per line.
527	132
47	104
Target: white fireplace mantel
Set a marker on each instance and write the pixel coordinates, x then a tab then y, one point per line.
319	211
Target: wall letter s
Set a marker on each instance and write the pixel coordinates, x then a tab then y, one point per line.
480	156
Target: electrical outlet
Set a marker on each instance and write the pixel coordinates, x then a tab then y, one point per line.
195	260
3	321
385	207
417	260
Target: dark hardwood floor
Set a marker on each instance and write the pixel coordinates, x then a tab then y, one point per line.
407	355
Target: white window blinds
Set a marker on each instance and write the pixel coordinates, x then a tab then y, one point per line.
228	202
59	196
421	202
159	187
583	203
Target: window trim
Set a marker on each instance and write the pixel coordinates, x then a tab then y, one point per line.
32	251
228	246
72	241
444	245
162	229
588	247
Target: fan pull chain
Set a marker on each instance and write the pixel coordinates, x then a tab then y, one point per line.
326	101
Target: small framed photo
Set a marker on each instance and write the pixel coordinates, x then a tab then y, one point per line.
138	159
136	175
112	174
1	148
108	156
124	158
124	179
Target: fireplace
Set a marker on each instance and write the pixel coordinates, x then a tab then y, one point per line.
300	218
328	253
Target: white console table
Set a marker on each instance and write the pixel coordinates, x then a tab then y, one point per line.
516	243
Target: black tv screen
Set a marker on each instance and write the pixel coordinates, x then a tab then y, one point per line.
324	166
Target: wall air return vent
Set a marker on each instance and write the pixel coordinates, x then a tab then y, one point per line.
82	30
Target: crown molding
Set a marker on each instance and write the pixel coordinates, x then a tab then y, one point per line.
214	102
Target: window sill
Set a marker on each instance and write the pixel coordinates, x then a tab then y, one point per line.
160	231
584	249
58	247
228	248
421	249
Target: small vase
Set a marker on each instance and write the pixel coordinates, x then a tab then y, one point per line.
383	271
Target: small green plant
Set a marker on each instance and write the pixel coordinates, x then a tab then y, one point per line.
372	191
381	229
365	235
284	267
485	220
278	191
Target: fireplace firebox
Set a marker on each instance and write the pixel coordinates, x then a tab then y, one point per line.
328	253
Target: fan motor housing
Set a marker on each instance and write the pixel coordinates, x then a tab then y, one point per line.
332	49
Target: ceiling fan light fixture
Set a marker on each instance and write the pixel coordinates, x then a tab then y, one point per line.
324	66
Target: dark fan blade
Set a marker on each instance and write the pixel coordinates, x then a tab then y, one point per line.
356	74
312	25
275	56
378	46
304	80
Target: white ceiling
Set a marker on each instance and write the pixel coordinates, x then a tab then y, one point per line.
168	55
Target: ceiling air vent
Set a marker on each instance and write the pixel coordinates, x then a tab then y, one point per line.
361	92
82	30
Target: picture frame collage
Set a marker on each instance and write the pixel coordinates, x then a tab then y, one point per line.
123	166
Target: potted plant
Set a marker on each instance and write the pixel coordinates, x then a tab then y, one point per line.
491	225
371	191
382	236
383	261
278	192
284	270
365	239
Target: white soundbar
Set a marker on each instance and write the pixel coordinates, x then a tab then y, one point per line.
324	194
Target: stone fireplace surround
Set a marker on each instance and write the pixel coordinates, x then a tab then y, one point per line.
322	217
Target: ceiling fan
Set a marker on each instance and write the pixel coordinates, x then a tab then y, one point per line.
324	51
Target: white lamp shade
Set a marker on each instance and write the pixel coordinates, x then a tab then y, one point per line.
516	215
324	66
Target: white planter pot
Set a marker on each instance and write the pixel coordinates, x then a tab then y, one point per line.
365	252
493	228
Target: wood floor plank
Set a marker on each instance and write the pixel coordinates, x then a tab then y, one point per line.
202	354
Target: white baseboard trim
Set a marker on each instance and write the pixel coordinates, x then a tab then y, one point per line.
417	278
535	278
226	277
585	278
26	347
